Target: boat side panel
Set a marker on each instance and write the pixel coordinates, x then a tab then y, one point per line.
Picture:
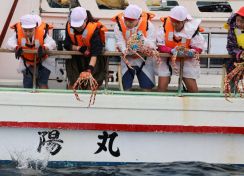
82	146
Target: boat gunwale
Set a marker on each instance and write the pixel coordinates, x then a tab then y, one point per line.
115	92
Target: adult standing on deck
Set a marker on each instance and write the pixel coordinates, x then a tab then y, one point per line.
29	34
86	35
134	20
180	29
235	40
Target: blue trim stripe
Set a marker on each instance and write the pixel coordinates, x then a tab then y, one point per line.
69	164
77	164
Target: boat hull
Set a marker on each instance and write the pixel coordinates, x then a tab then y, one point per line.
120	128
82	145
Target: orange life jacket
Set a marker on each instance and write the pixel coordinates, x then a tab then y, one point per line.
40	34
102	30
170	40
143	26
85	38
45	27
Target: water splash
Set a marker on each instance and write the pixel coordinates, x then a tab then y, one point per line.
29	158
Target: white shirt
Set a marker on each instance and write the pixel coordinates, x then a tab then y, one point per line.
188	30
48	42
150	40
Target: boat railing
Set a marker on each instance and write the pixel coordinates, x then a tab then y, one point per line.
110	54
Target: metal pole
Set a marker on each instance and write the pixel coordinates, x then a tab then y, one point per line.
209	46
223	78
180	77
9	18
34	75
107	73
120	77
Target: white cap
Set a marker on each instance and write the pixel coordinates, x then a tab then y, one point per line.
78	16
28	21
180	13
133	12
38	19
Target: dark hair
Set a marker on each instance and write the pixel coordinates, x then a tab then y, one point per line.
240	16
90	18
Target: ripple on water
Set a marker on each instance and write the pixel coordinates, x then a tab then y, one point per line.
145	169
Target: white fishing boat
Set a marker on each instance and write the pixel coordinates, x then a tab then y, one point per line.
121	127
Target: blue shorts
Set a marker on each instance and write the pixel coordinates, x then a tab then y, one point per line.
42	76
144	81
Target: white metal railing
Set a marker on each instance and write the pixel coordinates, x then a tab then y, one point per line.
68	54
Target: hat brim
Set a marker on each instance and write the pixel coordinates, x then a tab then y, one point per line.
174	20
130	19
189	17
240	14
76	23
28	26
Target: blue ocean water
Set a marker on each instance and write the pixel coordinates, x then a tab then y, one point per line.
145	169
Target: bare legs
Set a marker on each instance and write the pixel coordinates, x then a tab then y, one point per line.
163	83
43	87
190	83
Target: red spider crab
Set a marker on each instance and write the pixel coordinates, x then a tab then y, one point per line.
86	79
237	75
135	45
181	51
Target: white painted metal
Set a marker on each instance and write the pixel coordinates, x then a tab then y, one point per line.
80	145
212	22
130	109
154	147
147	109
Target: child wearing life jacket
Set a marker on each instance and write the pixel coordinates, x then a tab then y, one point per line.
86	35
134	21
31	33
180	29
235	40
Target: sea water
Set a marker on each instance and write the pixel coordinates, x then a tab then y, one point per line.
145	169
